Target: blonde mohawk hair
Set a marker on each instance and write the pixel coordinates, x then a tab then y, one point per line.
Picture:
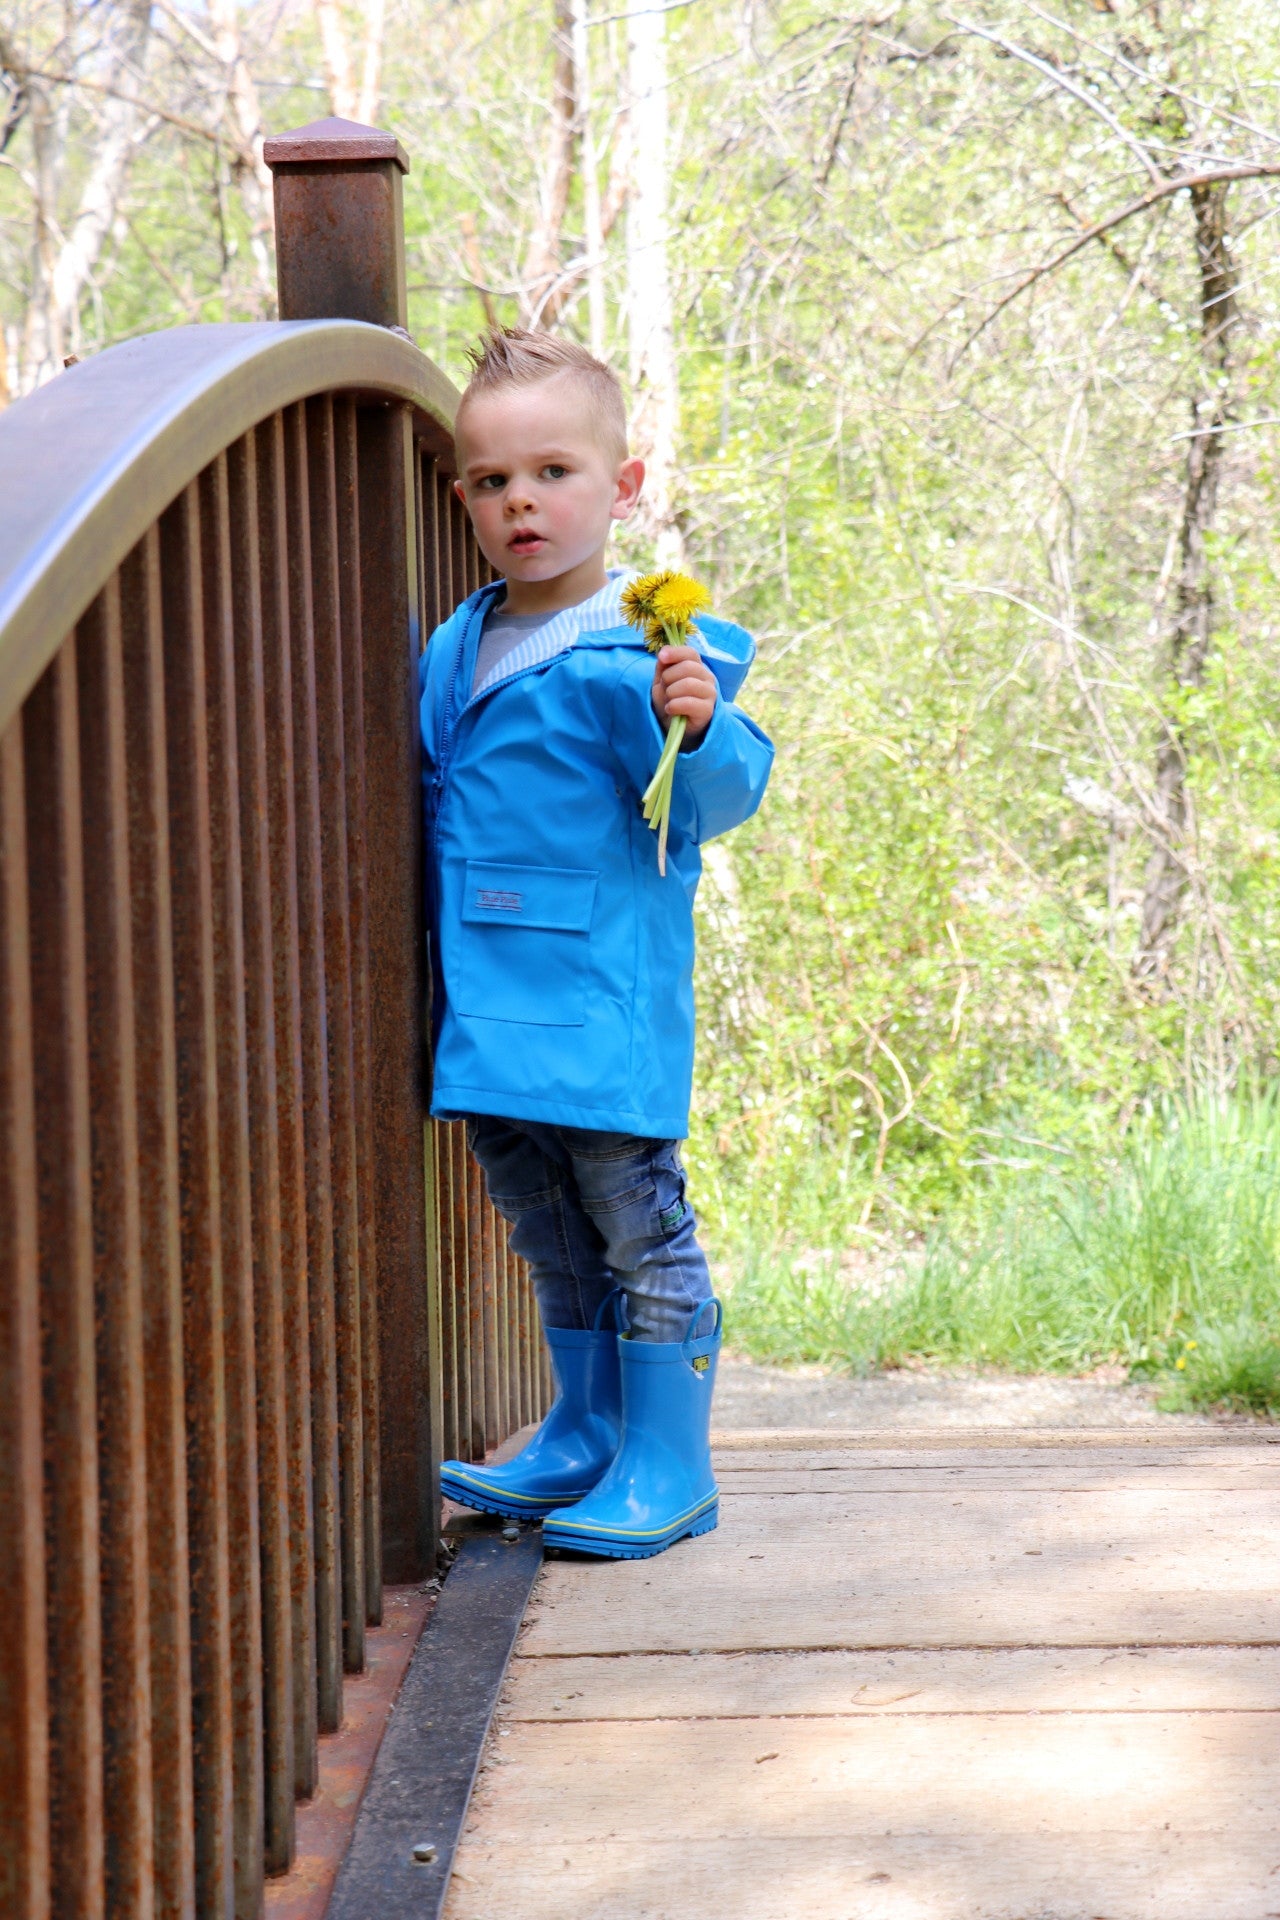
516	357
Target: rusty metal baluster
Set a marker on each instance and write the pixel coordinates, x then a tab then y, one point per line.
453	1391
24	1706
529	1395
447	596
459	549
498	1355
439	1264
453	579
423	513
327	617
516	1415
495	1413
290	1093
59	1029
196	1021
433	601
436	1173
324	1392
408	1334
169	1603
545	1378
524	1343
453	1282
470	1394
260	1034
482	1405
117	1256
507	1404
346	471
233	1163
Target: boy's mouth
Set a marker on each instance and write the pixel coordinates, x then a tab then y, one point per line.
526	541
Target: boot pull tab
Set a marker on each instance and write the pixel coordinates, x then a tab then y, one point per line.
700	1363
621	1318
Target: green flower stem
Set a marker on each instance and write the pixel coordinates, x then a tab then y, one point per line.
657	795
666	766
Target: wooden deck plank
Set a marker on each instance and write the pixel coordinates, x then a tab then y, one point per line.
1006	1681
953	1568
856	1875
724	1686
971	1773
965	1439
1049	1460
1066	1474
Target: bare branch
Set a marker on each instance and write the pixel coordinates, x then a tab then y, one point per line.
193	127
1181	183
1058	79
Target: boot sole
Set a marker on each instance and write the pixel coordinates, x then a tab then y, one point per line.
506	1506
564	1536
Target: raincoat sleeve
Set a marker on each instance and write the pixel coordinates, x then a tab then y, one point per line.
718	784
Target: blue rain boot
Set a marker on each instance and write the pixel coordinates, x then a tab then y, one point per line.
573	1446
660	1487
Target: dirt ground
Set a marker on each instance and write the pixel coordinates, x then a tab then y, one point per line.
750	1396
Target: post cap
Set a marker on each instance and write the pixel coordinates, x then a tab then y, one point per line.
333	140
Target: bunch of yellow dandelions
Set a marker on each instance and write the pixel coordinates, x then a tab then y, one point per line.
664	605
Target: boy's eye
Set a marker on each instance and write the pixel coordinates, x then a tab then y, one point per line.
491	482
554	472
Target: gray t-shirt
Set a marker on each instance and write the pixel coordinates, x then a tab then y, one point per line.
503	633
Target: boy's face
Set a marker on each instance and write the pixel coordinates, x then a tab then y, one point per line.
541	487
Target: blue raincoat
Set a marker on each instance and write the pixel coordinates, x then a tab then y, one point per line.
566	960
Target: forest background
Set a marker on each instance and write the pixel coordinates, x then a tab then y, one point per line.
951	338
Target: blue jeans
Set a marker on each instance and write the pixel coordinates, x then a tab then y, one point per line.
594	1211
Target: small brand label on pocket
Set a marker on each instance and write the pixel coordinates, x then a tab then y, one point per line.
701	1361
497	899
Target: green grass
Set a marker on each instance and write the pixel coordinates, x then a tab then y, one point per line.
1166	1260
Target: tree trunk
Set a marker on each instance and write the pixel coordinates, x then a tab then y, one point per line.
43	344
349	100
1191	626
653	356
592	212
375	27
63	267
252	175
543	292
336	50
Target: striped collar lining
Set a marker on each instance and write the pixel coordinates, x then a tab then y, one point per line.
596	615
603	609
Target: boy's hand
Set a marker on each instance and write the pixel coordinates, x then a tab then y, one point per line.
682	683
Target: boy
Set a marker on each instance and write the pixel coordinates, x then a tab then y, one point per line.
563	960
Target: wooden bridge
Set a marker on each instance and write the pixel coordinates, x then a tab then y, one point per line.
250	1296
948	1675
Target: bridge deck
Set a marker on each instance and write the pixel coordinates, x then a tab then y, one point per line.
961	1676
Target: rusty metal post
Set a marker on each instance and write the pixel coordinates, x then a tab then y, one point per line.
340	255
339	223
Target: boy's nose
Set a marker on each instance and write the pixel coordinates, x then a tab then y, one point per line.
519	500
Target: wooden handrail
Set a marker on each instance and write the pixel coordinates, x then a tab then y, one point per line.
90	461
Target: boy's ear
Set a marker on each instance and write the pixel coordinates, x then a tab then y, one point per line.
461	491
627	488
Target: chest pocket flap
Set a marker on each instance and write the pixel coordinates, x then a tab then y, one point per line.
557	898
525	950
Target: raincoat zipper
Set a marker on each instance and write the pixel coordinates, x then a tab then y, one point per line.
449	729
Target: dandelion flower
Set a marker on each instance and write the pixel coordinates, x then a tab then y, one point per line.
637	599
664	604
677	598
